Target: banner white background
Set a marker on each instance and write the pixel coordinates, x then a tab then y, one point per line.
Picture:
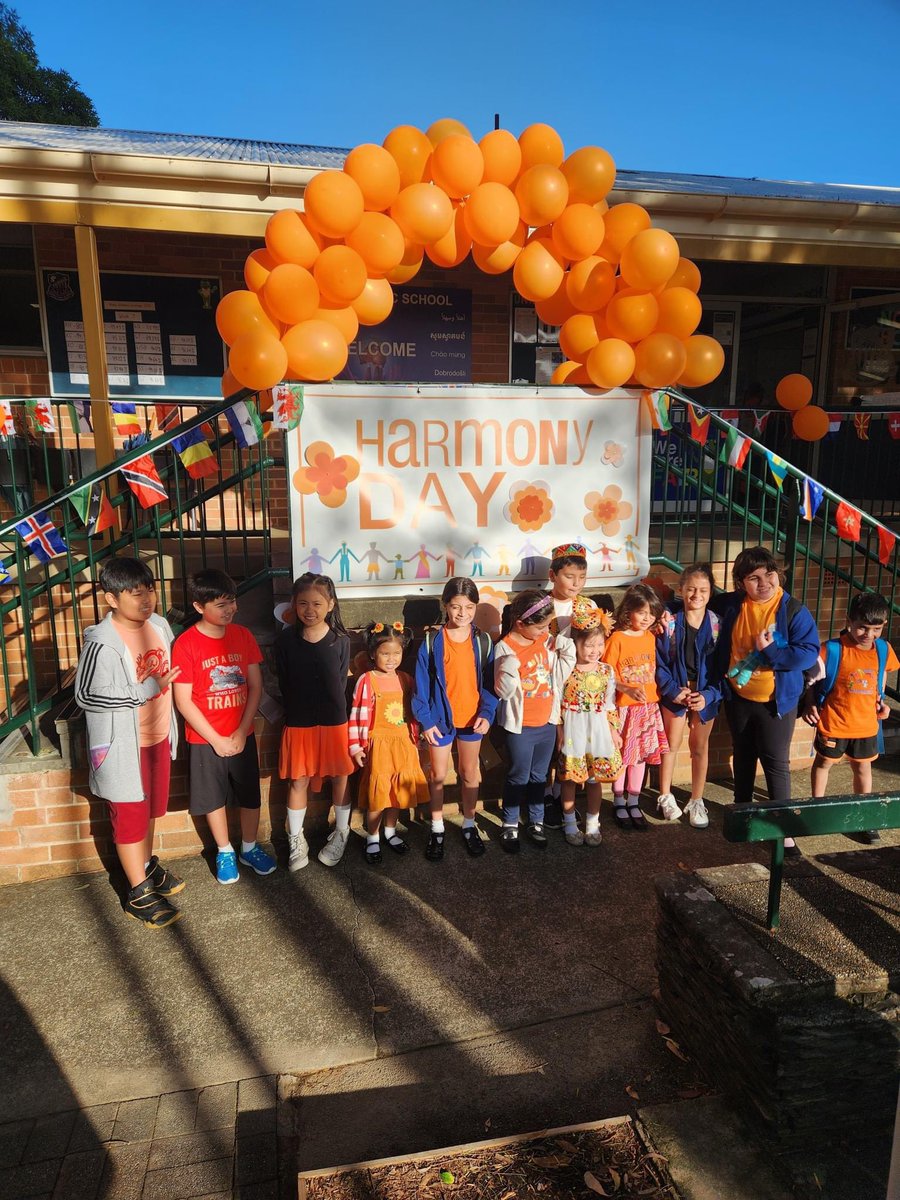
395	488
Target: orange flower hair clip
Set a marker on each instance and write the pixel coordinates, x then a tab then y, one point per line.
380	627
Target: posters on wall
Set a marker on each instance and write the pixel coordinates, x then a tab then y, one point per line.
427	338
397	488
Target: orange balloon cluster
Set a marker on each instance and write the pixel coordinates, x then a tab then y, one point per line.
794	393
625	298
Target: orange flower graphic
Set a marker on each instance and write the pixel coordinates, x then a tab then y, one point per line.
327	475
613	454
530	506
606	511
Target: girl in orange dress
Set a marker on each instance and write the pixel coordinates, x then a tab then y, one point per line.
383	739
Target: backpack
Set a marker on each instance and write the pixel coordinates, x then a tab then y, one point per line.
833	651
482	641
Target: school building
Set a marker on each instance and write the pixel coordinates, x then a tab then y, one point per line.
97	223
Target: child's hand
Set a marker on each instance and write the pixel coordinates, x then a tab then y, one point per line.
616	738
169	677
359	758
884	710
811	715
432	736
224	747
764	640
683	696
481	725
696	702
238	740
634	690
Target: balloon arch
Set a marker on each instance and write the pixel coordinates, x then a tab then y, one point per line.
625	301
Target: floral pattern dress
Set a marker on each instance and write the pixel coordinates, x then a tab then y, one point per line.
588	754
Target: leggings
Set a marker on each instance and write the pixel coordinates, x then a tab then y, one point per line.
759	735
529	761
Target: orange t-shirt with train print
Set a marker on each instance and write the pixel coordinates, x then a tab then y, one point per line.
633	658
850	709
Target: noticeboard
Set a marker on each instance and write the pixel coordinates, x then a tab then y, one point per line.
426	339
161	336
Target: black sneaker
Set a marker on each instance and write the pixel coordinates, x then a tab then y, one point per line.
144	904
869	837
553	812
474	844
536	836
164	882
434	851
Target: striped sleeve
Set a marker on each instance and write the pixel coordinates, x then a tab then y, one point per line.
361	714
100	683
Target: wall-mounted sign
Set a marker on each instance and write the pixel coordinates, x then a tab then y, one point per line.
426	339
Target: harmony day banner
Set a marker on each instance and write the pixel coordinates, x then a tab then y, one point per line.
395	488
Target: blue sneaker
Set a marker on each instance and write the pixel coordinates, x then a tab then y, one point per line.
226	867
258	860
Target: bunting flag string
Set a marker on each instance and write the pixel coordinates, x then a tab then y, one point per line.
736	449
861	423
658	407
886	541
245	423
834	424
80	416
894	425
699	426
287	405
93	506
41	537
196	456
760	420
143	478
40	416
811	497
848	521
777	467
7	423
126	420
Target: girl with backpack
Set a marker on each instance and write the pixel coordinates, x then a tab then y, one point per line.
454	702
690	689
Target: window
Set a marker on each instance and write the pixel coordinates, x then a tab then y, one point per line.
20	314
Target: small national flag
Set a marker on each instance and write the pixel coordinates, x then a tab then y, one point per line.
848	521
658	407
760	420
737	447
5	576
287	405
834	424
886	541
7	424
812	494
245	423
40	416
80	416
778	468
167	417
93	506
143	478
731	415
894	425
699	426
861	424
125	417
193	450
41	537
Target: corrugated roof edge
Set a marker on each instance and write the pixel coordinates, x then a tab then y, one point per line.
38	136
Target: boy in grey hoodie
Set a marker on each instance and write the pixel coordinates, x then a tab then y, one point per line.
122	684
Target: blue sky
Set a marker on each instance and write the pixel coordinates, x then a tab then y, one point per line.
788	90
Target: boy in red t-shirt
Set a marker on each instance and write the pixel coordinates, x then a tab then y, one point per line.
218	694
847	717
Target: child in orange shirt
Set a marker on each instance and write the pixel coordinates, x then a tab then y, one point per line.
848	707
631	652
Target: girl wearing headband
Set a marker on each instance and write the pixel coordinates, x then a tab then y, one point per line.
530	668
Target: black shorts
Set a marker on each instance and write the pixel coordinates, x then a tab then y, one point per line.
217	781
856	749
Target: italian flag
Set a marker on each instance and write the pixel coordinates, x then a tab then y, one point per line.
737	447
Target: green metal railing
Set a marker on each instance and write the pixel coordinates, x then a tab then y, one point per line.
705	510
222	520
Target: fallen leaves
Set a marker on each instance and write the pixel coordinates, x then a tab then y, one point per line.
381	1008
631	1092
676	1049
594	1184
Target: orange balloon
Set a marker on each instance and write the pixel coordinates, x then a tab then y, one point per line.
258	360
793	392
542	193
375	303
333	202
558	308
410	264
578	231
680	311
378	241
540	144
494	260
810	423
423	212
541	231
622	222
705	360
438	131
580	378
659	360
578	336
229	384
341	274
491	214
314	350
564	371
411	150
241	312
590	173
376	173
290	293
344	319
686	274
649	258
457	165
502	157
632	315
538	271
611	363
256	269
450	250
290	239
591	284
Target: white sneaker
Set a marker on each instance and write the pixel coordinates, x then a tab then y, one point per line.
333	850
298	851
667	806
696	811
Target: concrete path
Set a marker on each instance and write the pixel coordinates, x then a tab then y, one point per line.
434	997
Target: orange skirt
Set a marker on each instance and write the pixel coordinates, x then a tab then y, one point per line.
319	752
